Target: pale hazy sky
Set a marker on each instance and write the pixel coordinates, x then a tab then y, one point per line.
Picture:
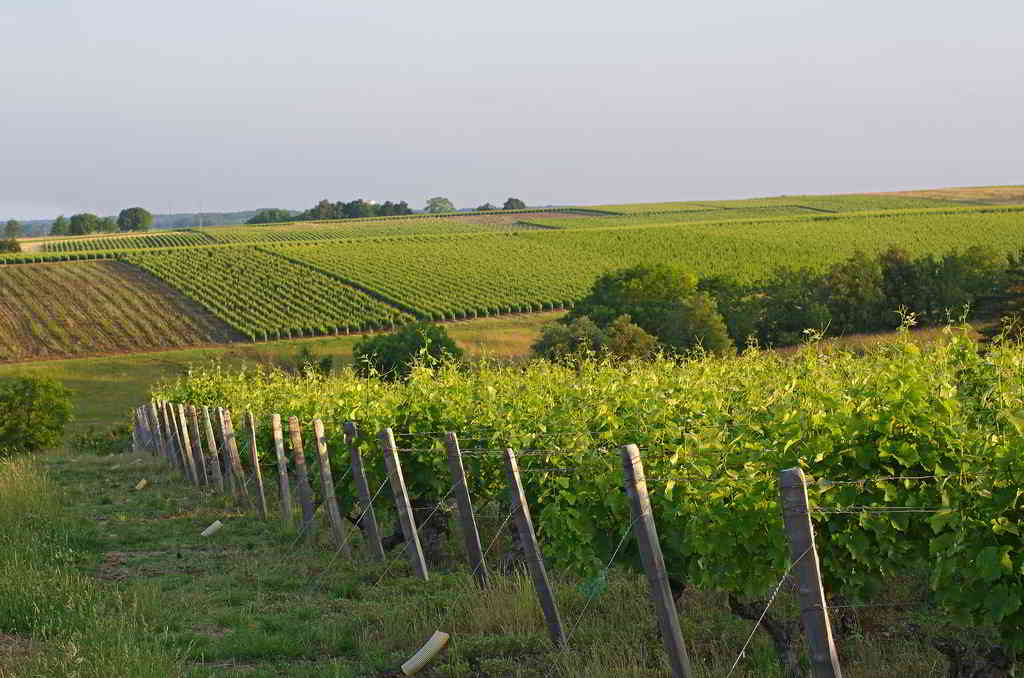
232	104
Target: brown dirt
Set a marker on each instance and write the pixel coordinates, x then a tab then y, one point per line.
992	195
14	650
512	219
62	310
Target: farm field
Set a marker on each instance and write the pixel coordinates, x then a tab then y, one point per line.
331	278
63	310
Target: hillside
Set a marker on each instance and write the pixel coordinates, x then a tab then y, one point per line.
305	279
64	310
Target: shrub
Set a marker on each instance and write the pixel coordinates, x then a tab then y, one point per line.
393	355
35	412
116	440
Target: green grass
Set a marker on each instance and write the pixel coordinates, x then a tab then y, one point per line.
251	601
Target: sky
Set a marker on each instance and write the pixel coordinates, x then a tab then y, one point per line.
219	105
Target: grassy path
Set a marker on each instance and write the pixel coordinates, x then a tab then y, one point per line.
252	600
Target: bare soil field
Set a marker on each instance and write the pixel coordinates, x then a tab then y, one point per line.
86	308
995	195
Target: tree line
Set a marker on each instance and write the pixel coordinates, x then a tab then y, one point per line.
325	210
639	311
84	223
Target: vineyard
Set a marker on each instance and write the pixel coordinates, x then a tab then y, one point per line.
265	296
322	278
913	458
135	242
63	310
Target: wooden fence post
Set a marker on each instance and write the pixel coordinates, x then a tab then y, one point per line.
136	433
338	532
231	446
282	470
534	559
654	563
229	477
147	422
467	521
302	479
402	505
211	444
186	445
796	520
172	440
197	445
155	426
369	517
251	423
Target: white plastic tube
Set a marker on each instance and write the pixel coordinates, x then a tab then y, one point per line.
216	525
436	643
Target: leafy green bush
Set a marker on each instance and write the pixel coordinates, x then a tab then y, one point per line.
35	411
661	301
393	355
568	342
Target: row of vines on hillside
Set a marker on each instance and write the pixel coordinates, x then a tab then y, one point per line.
914	455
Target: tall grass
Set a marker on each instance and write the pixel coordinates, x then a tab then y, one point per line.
79	627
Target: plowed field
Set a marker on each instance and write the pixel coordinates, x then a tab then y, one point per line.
87	308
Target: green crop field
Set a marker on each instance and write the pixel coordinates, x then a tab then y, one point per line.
135	242
323	278
266	296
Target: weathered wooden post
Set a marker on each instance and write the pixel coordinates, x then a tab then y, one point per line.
154	419
654	563
257	471
467	521
197	445
211	443
338	532
229	477
182	426
284	488
172	439
302	479
231	447
796	520
402	505
368	521
534	559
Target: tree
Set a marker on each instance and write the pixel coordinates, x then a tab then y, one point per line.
83	224
739	303
38	409
855	295
271	216
134	219
106	225
393	355
487	207
439	204
10	246
791	303
514	204
12	229
663	302
60	226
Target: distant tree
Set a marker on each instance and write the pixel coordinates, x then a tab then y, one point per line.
739	303
439	204
83	224
12	229
394	355
107	225
487	207
390	209
10	246
324	209
792	301
60	226
661	301
565	342
134	219
357	209
271	216
514	204
855	295
43	408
